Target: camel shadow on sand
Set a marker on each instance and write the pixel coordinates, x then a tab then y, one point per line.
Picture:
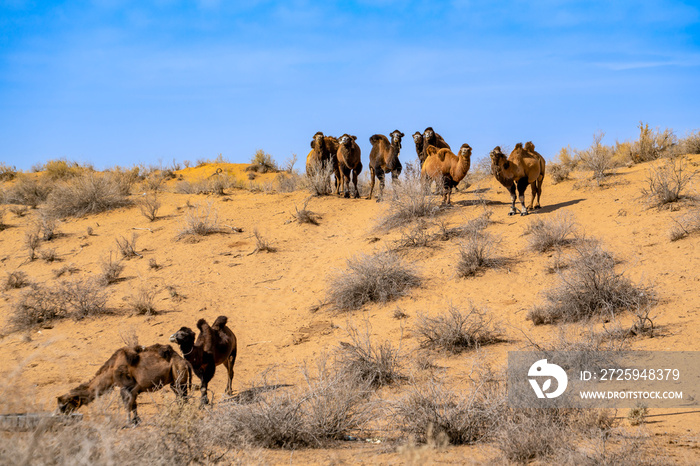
551	208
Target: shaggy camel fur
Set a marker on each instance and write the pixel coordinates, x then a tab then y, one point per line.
384	158
418	140
135	370
215	345
324	151
524	166
444	167
349	160
431	138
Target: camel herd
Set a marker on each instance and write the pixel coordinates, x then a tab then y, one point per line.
137	369
522	168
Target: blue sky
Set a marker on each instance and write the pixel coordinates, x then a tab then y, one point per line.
118	82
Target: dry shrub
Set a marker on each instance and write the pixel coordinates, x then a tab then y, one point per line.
143	302
262	162
324	409
3	225
477	254
61	169
690	144
456	331
545	235
289	182
567	158
16	279
410	201
304	215
42	304
666	184
111	269
685	226
366	363
473	227
461	417
46	225
48	255
149	206
416	237
29	190
200	221
652	145
558	172
378	278
69	269
318	178
127	248
7	173
590	288
261	244
215	184
89	193
598	158
19	211
32	242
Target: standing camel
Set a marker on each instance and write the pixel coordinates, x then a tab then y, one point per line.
524	166
384	158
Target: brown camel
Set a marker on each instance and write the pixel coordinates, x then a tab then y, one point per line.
418	140
349	160
384	158
431	138
524	166
324	151
446	168
134	370
215	345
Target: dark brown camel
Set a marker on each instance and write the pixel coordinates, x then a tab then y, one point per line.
349	160
524	166
431	138
215	345
324	152
384	158
418	140
134	370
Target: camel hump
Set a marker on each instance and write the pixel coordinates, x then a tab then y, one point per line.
529	146
442	153
220	322
164	351
201	323
132	357
519	145
375	138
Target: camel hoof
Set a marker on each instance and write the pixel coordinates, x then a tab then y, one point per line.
523	213
512	212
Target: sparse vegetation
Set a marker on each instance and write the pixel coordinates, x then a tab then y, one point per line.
28	190
126	247
48	255
16	279
590	288
111	269
477	253
200	221
368	363
261	244
411	201
456	331
262	163
149	206
686	225
666	184
304	215
598	158
7	173
558	172
87	194
379	278
545	235
652	145
19	211
32	242
143	302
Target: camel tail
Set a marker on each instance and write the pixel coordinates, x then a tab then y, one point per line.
220	322
201	323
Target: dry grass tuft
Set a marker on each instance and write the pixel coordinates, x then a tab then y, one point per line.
127	248
366	363
143	302
200	221
149	206
89	193
411	201
305	215
666	184
379	278
590	288
111	269
456	331
545	235
16	280
477	254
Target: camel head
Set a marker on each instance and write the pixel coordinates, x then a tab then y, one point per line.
465	151
74	399
417	138
346	140
499	161
396	138
183	337
317	141
428	134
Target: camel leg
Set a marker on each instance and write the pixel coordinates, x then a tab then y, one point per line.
129	399
229	368
345	182
354	182
371	184
522	186
380	175
534	193
513	197
539	191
